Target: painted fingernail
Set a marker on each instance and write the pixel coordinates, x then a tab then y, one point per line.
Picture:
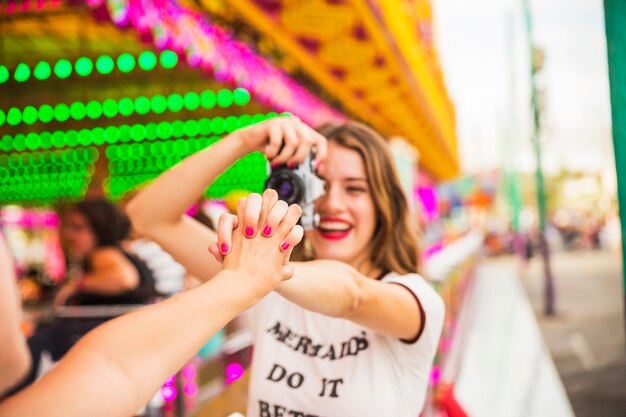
291	165
224	248
284	246
267	230
275	164
249	231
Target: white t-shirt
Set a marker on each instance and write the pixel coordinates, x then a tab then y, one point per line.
306	364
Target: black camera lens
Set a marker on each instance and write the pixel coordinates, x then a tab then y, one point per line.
284	189
288	186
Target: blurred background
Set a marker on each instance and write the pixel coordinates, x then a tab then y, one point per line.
505	118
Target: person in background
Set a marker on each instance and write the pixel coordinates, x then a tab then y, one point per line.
354	333
101	272
93	232
116	368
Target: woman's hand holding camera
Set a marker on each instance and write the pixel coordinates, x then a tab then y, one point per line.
284	140
258	241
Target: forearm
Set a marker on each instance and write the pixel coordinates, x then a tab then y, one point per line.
326	287
14	357
115	369
171	194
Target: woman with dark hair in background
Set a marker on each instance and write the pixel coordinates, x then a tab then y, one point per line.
93	231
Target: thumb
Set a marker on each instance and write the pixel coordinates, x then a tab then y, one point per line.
215	251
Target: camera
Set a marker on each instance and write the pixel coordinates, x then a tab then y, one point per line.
299	185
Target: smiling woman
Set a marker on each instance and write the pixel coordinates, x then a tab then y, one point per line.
356	321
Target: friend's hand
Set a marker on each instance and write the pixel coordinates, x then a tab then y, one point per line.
258	241
284	140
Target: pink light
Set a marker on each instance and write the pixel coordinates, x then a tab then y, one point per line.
170	380
191	389
208	46
168	393
437	247
435	375
234	371
189	371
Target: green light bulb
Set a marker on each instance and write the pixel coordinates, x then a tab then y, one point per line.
63	68
192	128
205	126
94	109
58	139
232	124
84	137
3	118
147	60
78	110
142	105
168	59
71	139
126	63
111	134
105	64
126	106
241	96
109	108
208	99
4	74
175	102
83	66
61	112
138	132
124	132
14	116
33	142
46	113
192	101
29	115
178	128
19	142
22	72
224	98
151	131
42	70
164	130
158	104
46	140
218	126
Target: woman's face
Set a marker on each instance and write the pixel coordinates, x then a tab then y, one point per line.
78	235
347	213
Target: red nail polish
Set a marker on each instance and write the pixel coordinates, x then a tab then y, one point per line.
249	231
274	164
291	165
284	246
267	230
224	248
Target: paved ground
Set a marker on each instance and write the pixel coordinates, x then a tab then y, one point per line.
586	337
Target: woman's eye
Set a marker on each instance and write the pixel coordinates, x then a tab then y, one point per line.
356	189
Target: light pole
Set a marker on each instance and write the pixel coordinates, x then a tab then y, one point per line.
536	62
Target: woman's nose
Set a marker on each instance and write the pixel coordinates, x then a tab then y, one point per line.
332	201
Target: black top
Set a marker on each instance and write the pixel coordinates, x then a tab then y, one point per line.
144	293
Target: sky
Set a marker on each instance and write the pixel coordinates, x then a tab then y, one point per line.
484	53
